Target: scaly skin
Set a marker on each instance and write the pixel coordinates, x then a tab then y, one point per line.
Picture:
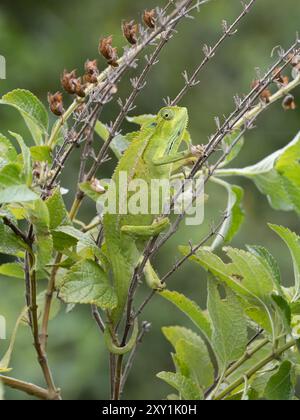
149	156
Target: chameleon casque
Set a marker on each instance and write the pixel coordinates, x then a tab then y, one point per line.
153	153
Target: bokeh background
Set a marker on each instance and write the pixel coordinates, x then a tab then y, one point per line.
39	40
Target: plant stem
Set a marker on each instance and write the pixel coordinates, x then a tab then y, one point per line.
42	356
48	301
26	387
256	368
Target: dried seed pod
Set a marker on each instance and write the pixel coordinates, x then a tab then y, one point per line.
91	71
56	103
67	81
79	88
149	18
265	94
289	103
130	31
108	52
97	187
295	59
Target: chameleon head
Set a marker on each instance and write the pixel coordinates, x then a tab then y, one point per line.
171	123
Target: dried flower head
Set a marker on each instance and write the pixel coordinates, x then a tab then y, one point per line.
91	71
67	81
279	78
130	31
295	59
108	52
289	103
79	88
149	18
265	94
56	103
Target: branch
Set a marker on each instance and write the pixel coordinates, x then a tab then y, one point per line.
26	387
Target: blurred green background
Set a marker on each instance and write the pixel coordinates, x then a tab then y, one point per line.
39	40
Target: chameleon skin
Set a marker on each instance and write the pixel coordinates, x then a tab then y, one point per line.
150	155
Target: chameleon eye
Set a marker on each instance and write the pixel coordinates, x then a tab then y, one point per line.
167	114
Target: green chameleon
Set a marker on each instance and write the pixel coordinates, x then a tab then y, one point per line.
153	153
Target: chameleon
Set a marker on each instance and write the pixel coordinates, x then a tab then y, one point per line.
153	153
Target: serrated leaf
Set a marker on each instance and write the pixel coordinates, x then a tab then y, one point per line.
26	158
270	262
15	270
191	352
38	215
229	326
41	154
235	217
191	309
279	386
187	388
7	151
58	214
87	283
17	194
293	242
31	109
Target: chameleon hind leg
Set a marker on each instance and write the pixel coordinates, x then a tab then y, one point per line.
147	231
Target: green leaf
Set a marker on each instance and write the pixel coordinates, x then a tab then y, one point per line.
84	239
227	142
27	168
118	145
15	270
293	242
10	244
41	154
58	213
276	176
31	109
269	261
17	194
284	310
192	352
87	283
38	215
280	386
7	151
191	309
288	166
185	386
236	215
229	326
11	175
